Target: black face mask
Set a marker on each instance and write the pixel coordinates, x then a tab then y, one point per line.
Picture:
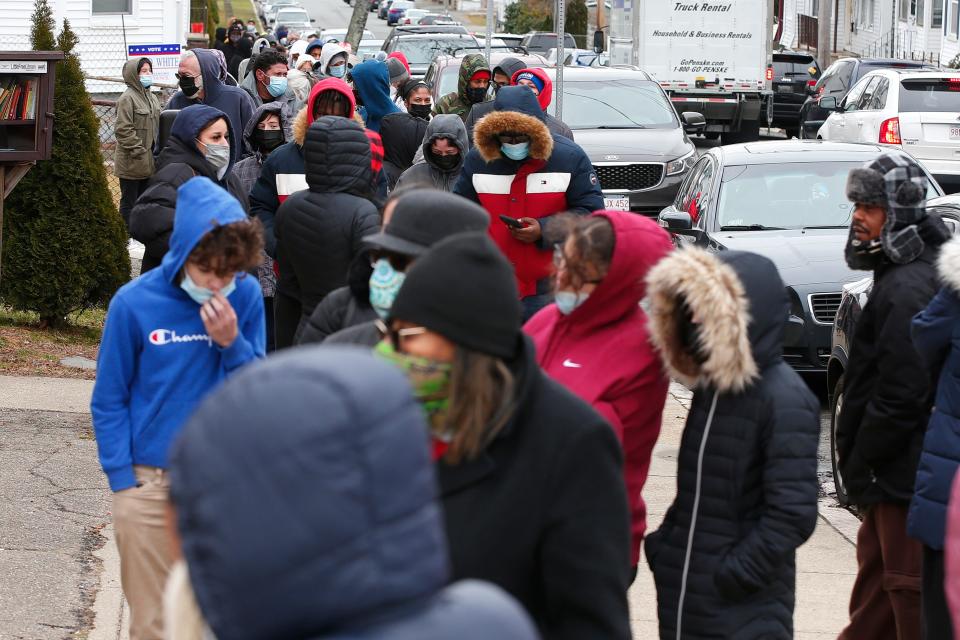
188	85
234	37
421	111
266	141
445	163
356	97
476	95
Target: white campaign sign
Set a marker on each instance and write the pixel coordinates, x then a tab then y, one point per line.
23	66
684	41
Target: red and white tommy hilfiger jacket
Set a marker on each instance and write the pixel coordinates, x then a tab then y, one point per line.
557	176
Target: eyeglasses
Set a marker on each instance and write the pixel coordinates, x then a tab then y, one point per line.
396	334
513	138
181	76
397	261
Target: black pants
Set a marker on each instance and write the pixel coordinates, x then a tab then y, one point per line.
130	190
268	316
936	614
286	315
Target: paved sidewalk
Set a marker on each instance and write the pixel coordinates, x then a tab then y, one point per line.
826	564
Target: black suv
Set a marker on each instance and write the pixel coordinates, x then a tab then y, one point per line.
837	80
541	42
794	74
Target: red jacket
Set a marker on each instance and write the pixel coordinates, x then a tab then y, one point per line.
602	353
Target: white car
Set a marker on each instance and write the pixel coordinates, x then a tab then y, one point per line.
916	111
412	16
294	18
339	35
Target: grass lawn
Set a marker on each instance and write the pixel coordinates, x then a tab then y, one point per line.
243	9
28	350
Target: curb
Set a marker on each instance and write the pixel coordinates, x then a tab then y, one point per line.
111	614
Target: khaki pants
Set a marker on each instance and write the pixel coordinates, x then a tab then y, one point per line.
139	519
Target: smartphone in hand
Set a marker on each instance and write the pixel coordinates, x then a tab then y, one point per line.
512	222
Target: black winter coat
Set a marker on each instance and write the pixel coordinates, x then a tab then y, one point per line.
402	135
319	231
747	469
887	389
342	308
151	220
542	512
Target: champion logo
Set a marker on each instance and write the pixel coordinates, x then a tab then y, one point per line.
571	364
161	337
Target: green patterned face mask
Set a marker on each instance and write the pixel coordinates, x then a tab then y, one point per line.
430	381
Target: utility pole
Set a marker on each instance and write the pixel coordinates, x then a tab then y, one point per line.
358	21
824	32
489	33
561	29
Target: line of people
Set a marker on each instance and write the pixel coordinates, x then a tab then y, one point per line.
490	277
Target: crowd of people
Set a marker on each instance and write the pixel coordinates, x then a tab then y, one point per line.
391	370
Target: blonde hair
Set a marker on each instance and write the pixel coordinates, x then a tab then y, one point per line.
482	401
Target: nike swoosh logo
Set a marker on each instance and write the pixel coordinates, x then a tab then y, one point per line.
571	364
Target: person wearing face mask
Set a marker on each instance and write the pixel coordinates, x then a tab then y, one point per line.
333	61
593	339
283	173
514	151
199	145
529	475
416	222
399	76
371	81
171	336
319	231
201	82
444	149
236	47
472	84
723	560
267	82
138	118
403	133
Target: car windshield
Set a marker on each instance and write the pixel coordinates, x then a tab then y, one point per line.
794	68
448	79
933	94
424	50
616	104
292	16
790	195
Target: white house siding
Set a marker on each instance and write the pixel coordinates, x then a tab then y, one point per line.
949	47
100	38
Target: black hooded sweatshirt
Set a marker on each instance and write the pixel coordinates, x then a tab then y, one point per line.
319	231
402	135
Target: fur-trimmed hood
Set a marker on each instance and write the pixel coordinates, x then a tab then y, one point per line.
516	110
740	305
948	264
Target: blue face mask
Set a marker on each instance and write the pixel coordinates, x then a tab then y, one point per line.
385	284
568	301
338	71
201	294
277	86
517	151
146	81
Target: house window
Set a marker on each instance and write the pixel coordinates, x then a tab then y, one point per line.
815	8
867	9
937	22
918	11
111	7
904	9
954	17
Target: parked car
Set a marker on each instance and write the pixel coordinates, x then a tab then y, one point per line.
786	200
794	75
339	35
368	49
269	9
510	39
916	111
852	301
295	18
542	42
636	141
397	11
421	48
383	9
443	72
374	5
412	16
837	80
402	30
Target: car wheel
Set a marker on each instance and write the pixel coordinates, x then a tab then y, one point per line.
837	407
792	132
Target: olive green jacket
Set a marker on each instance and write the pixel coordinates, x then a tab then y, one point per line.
138	118
459	103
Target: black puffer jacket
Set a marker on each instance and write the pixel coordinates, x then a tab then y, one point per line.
343	307
319	231
402	135
747	480
151	220
887	389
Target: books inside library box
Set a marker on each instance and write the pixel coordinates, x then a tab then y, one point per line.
18	112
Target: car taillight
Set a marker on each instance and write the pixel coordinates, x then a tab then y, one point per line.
890	131
811	83
769	73
819	93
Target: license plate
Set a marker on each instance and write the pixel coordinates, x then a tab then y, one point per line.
785	88
955	133
616	203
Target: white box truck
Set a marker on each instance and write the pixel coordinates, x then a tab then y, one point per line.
712	57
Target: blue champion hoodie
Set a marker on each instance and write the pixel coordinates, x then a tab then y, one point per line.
372	80
156	361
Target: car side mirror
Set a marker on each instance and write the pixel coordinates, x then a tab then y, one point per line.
313	19
678	222
272	21
829	103
693	122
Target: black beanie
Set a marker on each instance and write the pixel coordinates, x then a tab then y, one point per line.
464	289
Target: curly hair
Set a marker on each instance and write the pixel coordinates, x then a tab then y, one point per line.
593	240
230	248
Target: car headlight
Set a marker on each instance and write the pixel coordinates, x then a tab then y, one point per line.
681	164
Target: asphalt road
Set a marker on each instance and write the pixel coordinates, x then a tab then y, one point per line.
335	14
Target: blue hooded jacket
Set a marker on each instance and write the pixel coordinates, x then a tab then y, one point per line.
156	361
307	511
372	80
233	101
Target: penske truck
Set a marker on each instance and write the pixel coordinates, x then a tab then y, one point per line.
712	57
